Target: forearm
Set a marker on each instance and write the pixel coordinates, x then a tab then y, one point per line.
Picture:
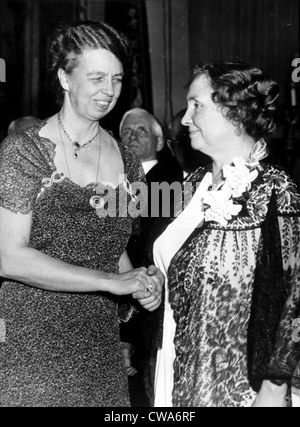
125	263
20	262
36	269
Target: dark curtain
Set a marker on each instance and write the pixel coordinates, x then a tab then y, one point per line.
25	26
264	33
12	51
52	13
130	18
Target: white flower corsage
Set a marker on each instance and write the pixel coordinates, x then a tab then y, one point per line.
219	203
239	177
220	206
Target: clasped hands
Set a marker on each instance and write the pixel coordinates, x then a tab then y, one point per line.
153	280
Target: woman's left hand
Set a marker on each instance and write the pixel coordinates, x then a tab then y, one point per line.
151	299
271	396
128	351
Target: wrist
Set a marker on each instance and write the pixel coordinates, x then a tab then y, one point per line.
106	282
128	349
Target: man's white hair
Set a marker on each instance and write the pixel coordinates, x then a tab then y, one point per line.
155	125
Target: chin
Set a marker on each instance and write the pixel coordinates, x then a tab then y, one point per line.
99	113
197	145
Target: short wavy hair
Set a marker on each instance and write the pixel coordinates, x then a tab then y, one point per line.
69	42
247	96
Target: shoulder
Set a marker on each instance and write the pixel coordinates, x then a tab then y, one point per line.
286	190
132	163
27	150
27	142
133	168
198	175
14	144
129	155
131	159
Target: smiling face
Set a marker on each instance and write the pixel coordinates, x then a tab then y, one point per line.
94	86
210	131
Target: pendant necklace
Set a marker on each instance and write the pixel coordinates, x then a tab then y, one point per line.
95	201
75	145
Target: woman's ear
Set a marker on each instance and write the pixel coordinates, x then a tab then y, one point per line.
160	144
63	78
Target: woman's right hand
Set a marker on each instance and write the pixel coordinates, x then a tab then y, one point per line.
136	280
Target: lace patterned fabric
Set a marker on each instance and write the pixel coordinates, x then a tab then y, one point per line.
235	293
61	349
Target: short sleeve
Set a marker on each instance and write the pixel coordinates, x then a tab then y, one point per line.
23	166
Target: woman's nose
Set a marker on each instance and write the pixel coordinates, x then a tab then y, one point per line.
186	119
108	89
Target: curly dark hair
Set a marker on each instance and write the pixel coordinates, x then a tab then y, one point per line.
247	96
69	42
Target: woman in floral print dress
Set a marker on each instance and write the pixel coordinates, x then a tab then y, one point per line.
232	256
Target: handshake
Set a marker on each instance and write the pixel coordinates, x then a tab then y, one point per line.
152	280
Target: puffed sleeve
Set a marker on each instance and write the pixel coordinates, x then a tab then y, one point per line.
22	168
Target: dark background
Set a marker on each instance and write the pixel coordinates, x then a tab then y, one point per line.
264	33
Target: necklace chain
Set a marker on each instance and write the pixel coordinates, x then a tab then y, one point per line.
75	145
65	153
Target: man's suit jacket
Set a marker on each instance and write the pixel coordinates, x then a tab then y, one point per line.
137	245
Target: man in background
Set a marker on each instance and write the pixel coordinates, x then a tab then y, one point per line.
142	134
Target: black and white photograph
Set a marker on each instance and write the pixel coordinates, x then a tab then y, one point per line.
150	206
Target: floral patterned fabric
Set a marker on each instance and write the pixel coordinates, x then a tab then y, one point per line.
61	349
235	293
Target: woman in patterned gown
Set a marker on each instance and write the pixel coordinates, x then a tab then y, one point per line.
232	256
63	260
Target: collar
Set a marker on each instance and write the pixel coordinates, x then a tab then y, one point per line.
149	165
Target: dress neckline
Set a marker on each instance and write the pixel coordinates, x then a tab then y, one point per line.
91	185
36	128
